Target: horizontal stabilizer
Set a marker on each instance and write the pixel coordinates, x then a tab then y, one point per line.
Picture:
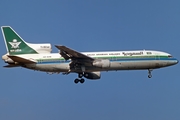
11	65
21	60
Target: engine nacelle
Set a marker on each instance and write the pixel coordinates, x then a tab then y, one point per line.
92	75
104	63
7	59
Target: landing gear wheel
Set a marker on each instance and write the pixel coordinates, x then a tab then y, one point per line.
149	76
79	79
76	81
82	81
80	75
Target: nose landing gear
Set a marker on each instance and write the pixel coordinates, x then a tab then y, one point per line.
149	73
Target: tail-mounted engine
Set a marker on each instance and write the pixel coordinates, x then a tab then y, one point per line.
7	59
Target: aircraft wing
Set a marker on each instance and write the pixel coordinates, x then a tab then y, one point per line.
21	60
76	57
68	53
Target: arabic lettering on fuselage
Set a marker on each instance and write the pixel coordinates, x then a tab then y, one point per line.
132	53
114	53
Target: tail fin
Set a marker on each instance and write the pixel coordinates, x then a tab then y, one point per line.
14	43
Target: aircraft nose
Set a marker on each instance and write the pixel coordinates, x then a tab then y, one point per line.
172	62
175	61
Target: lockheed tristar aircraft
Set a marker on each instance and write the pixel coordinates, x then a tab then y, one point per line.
85	64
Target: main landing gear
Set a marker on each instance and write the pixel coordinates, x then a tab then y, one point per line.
149	73
80	79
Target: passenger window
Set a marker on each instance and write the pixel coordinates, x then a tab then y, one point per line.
149	53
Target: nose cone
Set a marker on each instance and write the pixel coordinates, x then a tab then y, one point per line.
173	62
177	61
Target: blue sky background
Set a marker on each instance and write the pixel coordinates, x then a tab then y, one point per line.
93	25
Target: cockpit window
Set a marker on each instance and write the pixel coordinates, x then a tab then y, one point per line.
170	56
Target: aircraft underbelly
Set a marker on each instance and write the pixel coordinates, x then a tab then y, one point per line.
49	67
137	65
64	67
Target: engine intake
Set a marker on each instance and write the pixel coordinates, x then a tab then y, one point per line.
7	59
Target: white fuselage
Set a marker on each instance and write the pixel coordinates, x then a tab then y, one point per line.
119	60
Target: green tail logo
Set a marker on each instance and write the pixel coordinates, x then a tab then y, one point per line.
14	43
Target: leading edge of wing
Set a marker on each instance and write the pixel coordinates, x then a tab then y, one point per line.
70	53
21	60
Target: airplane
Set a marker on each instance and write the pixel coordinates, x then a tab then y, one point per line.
86	64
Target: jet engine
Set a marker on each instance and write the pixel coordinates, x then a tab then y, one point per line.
7	59
104	63
92	75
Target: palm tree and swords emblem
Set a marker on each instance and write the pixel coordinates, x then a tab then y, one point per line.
14	44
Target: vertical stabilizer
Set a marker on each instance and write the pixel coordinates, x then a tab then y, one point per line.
14	43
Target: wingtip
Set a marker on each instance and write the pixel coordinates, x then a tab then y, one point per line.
58	46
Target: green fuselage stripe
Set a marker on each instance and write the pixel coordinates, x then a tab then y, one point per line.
111	58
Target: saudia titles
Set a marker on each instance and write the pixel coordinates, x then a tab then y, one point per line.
132	53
